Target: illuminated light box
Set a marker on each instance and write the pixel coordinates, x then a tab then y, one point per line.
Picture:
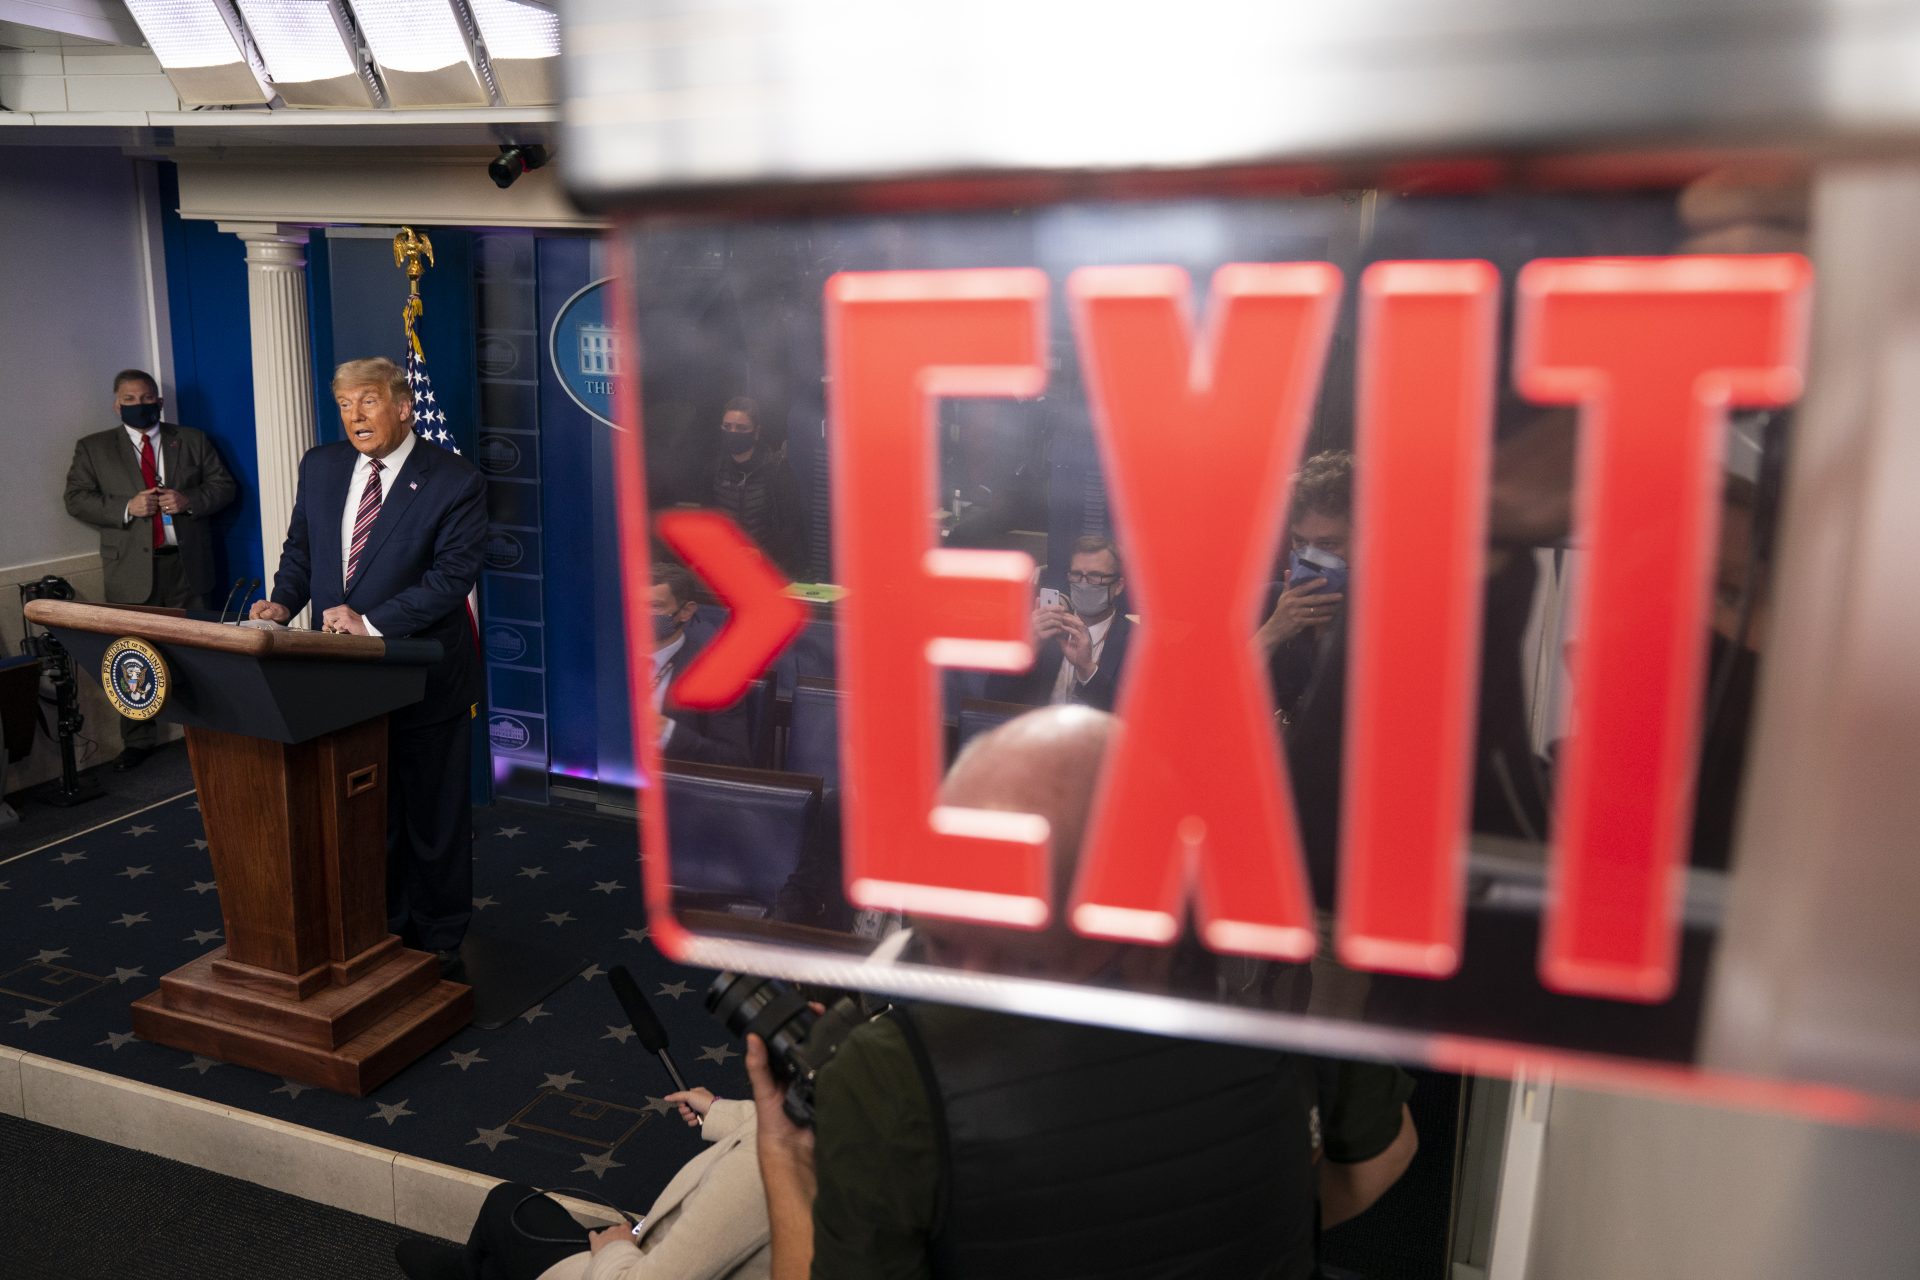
309	51
523	48
202	51
423	52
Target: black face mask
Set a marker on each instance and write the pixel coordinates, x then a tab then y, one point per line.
141	417
737	441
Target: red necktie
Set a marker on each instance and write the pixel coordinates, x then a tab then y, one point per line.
150	474
363	522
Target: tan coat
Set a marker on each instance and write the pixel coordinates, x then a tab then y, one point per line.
709	1224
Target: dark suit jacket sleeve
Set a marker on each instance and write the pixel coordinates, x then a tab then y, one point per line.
724	740
87	498
292	585
216	487
458	542
1104	688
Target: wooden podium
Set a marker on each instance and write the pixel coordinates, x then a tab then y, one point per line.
287	734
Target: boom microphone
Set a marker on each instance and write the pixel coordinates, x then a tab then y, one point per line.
238	582
646	1023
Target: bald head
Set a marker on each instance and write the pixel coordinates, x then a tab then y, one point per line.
1045	762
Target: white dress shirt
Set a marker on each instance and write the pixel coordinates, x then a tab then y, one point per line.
663	672
160	473
1097	638
356	488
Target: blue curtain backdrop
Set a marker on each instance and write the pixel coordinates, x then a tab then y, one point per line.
588	725
213	366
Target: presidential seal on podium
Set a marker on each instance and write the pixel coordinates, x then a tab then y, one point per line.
135	677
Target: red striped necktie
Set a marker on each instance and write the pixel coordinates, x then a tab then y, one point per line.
363	522
150	476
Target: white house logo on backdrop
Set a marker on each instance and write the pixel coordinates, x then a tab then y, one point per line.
508	733
503	550
505	644
585	351
497	356
498	454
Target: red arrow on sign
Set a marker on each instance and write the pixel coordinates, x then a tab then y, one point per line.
763	619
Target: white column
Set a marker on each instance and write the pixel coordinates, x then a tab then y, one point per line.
282	371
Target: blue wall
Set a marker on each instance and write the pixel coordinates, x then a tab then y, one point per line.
357	295
213	366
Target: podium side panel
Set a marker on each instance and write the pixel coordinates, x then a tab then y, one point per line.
261	802
353	767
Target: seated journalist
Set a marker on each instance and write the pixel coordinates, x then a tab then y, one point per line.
709	1224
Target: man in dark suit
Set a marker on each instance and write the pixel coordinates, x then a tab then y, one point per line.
149	487
1080	646
386	540
704	737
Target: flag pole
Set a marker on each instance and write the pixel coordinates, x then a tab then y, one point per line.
413	252
409	247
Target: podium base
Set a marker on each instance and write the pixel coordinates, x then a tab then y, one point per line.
350	1039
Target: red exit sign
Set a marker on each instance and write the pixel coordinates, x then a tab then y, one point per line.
1199	427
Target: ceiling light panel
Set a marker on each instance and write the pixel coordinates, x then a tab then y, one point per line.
523	44
310	54
423	52
202	51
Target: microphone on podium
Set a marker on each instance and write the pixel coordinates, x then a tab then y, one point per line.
238	583
646	1023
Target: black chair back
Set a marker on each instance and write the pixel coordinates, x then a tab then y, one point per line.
19	699
813	730
977	715
736	834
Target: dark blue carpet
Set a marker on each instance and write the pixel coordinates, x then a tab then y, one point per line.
563	1096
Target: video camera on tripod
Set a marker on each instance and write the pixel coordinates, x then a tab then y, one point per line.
56	666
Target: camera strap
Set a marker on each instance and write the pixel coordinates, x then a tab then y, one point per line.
930	1084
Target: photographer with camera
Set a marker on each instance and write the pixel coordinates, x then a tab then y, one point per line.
958	1142
709	1223
1299	629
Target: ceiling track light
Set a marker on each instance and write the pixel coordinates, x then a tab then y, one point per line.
428	52
205	51
356	54
522	43
314	53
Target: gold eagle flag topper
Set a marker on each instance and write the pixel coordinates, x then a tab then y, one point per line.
409	247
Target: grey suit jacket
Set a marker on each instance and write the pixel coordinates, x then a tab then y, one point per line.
106	473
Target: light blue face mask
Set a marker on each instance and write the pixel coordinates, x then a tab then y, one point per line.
1088	599
1309	563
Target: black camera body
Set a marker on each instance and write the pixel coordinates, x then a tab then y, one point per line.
799	1041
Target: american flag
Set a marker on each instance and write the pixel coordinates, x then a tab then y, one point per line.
428	418
430	423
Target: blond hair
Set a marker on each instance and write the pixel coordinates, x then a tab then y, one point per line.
375	371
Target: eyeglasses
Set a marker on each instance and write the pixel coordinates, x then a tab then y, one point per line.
1092	579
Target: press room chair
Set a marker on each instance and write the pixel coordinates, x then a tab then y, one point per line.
736	834
813	730
977	715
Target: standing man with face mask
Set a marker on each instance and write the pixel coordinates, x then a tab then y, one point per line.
753	484
1079	647
149	487
386	540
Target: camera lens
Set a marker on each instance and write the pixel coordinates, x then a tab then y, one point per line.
760	1006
